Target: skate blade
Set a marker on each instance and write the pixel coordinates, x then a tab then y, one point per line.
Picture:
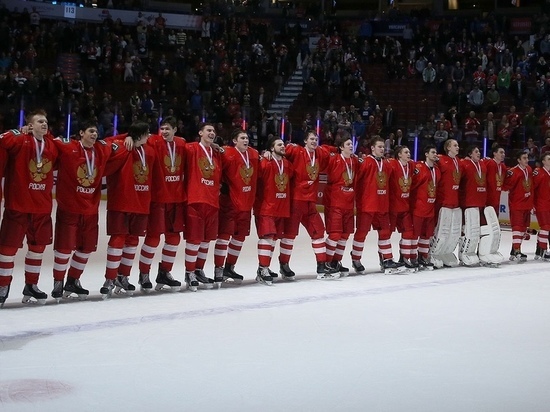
74	296
396	271
147	290
232	281
208	286
192	288
218	285
289	278
122	292
330	277
263	281
344	274
29	300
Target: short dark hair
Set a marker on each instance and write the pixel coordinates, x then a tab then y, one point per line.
271	141
496	147
341	138
202	125
170	121
519	153
138	129
429	147
398	150
471	149
376	138
236	132
86	124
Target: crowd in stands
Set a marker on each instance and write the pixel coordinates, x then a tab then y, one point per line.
231	69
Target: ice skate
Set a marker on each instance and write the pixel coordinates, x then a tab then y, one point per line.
123	286
145	284
517	256
107	289
229	275
263	276
164	278
541	254
326	272
274	275
73	286
218	277
207	283
191	281
31	294
425	263
410	264
390	267
358	267
337	265
286	272
57	292
4	292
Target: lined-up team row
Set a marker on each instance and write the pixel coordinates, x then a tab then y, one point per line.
159	185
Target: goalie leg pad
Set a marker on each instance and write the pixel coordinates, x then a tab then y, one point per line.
470	240
489	242
447	235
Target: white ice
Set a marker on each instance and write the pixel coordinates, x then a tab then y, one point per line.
461	339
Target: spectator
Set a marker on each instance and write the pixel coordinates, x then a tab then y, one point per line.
493	99
503	80
546	147
518	89
476	99
428	76
490	128
533	152
471	128
458	75
530	122
440	136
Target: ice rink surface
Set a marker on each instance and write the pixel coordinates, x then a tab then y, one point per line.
460	339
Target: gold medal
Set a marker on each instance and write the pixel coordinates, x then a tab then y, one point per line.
172	169
91	180
144	168
39	165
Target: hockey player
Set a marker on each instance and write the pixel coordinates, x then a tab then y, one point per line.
400	210
167	211
81	167
541	194
372	198
28	203
449	216
473	197
272	204
307	163
496	173
519	183
423	196
339	200
203	170
238	190
128	202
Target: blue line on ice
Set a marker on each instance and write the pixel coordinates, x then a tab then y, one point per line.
197	313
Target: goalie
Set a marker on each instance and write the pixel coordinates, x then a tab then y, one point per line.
481	231
449	223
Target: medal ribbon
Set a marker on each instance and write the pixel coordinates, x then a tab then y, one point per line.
90	163
39	151
208	155
141	154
